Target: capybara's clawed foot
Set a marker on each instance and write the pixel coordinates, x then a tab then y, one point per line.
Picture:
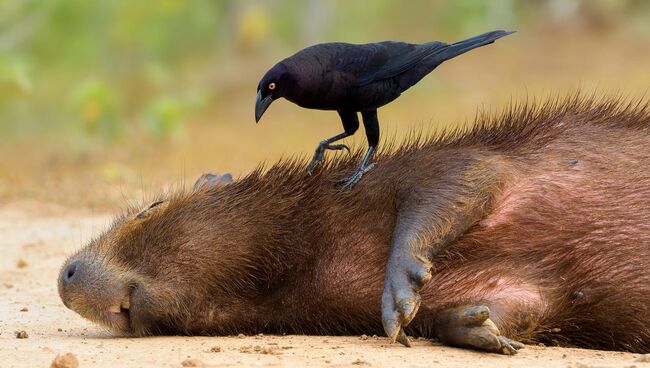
508	346
405	276
471	327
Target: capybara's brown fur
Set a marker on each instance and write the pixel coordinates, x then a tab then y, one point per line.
555	241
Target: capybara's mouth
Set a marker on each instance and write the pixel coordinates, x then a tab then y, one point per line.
122	307
118	315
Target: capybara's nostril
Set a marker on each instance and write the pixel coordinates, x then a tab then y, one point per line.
70	271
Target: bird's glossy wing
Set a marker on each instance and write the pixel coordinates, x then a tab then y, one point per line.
387	59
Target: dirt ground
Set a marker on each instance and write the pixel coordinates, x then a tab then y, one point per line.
34	241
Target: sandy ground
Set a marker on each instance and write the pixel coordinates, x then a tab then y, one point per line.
34	241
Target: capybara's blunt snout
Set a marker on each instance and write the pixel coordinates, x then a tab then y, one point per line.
71	277
95	292
80	280
69	272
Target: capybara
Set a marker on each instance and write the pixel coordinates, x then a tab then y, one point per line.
531	226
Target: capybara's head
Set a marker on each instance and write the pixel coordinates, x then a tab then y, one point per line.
173	267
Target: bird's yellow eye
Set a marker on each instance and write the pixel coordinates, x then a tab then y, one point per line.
272	86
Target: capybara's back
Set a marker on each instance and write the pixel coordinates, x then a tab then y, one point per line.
531	226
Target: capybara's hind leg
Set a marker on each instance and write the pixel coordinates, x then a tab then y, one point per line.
471	327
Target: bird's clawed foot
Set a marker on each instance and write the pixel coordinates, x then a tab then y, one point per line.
471	327
348	183
320	153
405	276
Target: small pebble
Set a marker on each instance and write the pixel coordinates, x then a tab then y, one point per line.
21	334
215	349
245	349
269	350
67	360
24	309
191	362
21	263
643	359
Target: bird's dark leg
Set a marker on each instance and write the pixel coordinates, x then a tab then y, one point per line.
371	123
350	124
325	145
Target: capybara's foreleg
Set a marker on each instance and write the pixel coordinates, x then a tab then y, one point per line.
427	221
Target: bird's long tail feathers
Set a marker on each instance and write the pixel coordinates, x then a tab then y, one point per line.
463	46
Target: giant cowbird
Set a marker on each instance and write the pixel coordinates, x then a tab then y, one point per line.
353	78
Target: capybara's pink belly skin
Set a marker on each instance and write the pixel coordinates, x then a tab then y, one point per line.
563	256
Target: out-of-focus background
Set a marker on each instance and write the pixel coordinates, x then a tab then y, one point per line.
107	100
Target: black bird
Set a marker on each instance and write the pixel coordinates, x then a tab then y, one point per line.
352	78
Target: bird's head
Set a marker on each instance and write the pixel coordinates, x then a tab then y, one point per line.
276	83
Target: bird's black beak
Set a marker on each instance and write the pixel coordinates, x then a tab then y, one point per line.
261	104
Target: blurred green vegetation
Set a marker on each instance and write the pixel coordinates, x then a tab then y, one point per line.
119	84
103	66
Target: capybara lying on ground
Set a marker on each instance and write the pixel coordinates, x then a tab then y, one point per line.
533	226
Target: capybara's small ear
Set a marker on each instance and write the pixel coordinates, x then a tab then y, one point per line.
153	207
208	180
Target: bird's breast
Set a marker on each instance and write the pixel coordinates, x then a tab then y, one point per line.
338	91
